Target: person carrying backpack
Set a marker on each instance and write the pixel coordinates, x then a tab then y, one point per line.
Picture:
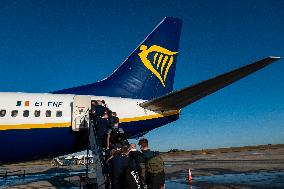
153	172
116	137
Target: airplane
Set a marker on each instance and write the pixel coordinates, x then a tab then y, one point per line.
140	90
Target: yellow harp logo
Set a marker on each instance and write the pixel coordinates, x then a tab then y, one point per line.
162	60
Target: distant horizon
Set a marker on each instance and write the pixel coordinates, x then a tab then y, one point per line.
84	152
232	147
229	147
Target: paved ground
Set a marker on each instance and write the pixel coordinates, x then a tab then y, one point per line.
201	163
241	163
224	162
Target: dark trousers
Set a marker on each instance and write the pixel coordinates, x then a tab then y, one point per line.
117	183
155	181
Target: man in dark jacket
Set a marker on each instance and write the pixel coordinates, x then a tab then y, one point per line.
118	165
113	118
116	137
102	127
123	174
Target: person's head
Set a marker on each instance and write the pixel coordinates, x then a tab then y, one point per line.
109	112
132	147
125	149
105	115
93	102
116	122
99	102
114	114
143	143
114	152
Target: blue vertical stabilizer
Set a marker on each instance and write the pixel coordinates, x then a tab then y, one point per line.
147	73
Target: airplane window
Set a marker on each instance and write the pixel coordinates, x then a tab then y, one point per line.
2	113
48	113
37	113
14	113
26	113
59	114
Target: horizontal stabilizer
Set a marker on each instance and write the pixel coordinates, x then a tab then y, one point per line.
181	98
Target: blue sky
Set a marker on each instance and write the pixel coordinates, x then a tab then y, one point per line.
51	45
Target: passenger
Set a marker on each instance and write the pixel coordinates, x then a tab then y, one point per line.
97	109
106	166
109	112
99	102
154	167
116	137
102	129
123	172
94	103
112	118
113	153
104	103
118	166
139	162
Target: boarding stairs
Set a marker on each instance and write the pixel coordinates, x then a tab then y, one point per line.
97	153
81	121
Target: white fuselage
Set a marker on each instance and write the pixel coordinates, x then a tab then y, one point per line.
39	105
36	125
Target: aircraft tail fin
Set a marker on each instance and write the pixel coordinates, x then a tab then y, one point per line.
148	72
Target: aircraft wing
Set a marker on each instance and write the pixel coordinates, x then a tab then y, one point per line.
181	98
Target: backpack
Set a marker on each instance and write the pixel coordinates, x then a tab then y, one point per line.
155	164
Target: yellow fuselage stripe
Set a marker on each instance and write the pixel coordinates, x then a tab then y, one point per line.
35	126
124	120
68	124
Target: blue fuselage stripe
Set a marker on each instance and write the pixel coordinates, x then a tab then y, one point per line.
24	145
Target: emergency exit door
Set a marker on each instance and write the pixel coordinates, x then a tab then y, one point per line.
80	114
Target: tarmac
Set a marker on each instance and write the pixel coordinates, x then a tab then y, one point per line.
246	167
